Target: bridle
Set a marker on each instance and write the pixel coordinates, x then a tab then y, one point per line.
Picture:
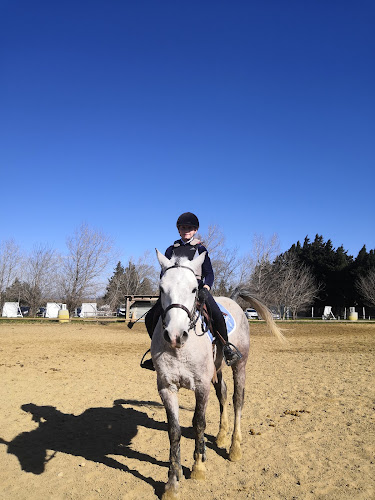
192	315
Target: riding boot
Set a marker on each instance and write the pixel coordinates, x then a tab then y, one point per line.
151	320
231	356
230	352
148	364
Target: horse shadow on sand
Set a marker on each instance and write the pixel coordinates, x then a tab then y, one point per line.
93	435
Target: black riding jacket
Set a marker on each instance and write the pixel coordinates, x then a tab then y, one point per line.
192	250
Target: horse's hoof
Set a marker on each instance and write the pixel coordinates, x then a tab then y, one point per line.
198	472
170	494
222	439
235	454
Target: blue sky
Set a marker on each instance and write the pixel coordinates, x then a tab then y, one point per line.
257	116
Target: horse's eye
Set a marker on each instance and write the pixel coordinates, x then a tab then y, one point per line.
161	289
194	290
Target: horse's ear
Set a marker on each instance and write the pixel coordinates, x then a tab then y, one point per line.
196	264
163	261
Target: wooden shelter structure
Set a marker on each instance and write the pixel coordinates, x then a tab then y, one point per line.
137	305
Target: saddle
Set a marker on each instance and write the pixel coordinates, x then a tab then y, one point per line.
213	334
207	318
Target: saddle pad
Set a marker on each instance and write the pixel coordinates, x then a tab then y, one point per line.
229	321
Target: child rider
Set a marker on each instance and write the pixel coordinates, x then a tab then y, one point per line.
188	246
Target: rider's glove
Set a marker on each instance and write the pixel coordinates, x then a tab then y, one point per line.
202	294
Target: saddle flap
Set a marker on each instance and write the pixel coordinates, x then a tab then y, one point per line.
229	320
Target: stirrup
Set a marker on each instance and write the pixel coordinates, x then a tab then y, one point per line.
148	364
235	355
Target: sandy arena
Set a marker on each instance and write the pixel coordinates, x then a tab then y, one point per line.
79	419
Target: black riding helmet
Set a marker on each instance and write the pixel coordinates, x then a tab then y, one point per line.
188	219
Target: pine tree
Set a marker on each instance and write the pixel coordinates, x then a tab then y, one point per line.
114	291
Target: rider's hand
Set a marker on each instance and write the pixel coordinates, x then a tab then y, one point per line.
203	294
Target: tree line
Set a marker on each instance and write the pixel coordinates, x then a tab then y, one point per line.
311	274
44	275
344	281
315	274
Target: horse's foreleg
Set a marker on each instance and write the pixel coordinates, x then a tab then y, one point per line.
170	401
239	376
199	423
222	439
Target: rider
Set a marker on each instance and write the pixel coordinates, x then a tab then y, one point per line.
188	246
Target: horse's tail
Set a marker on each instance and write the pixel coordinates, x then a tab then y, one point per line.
261	308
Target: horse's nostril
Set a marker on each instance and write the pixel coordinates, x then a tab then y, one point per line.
166	336
185	335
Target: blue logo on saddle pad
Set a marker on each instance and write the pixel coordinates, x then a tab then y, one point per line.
229	321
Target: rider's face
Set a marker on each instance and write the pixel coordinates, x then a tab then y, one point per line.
187	232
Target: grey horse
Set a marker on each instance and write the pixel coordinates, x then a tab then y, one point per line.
184	357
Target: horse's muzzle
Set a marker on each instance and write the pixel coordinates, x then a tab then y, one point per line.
176	341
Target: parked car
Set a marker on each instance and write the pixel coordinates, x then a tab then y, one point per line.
121	311
251	313
25	310
275	315
41	312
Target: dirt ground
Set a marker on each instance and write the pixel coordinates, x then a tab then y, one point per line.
79	419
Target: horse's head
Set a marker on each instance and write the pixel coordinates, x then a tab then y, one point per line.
178	294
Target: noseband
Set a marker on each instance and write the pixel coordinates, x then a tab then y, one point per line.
193	321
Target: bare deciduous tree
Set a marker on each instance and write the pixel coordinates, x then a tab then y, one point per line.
261	282
260	265
140	278
228	266
14	292
89	253
213	240
9	262
39	277
293	285
149	275
264	250
366	287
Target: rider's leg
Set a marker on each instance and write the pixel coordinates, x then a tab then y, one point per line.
151	320
218	320
231	356
152	317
